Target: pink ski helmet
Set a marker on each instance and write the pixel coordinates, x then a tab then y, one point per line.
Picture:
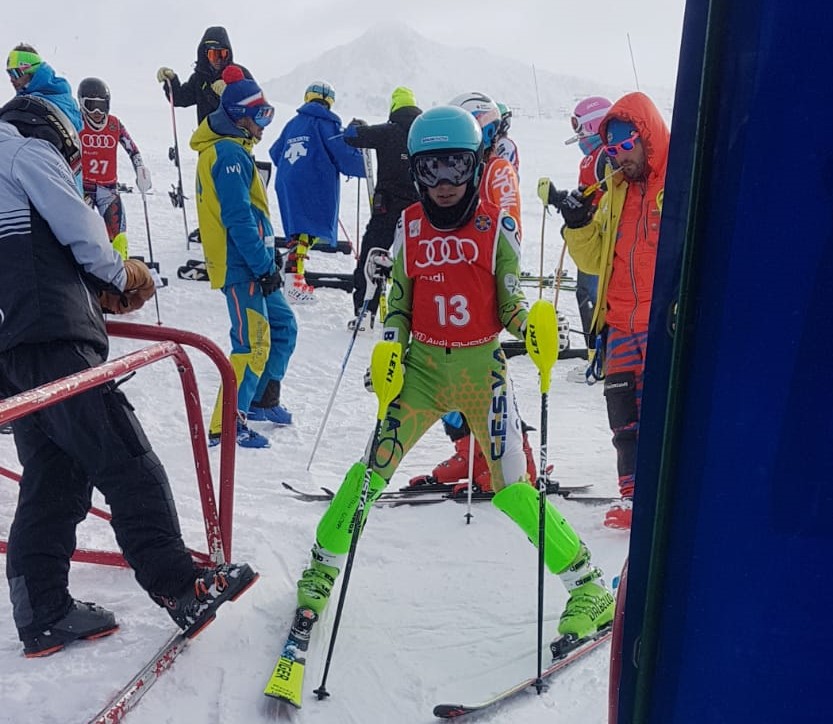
587	117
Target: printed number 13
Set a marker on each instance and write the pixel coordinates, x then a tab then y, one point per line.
459	313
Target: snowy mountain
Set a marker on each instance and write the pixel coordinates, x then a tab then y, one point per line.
366	70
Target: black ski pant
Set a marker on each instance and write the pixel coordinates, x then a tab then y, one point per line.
587	287
378	234
90	440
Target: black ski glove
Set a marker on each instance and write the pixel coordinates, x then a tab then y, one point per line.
270	282
576	208
356	122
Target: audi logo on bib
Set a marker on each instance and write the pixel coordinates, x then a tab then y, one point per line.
99	140
446	250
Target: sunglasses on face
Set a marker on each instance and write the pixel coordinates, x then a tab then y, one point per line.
454	168
215	55
264	115
627	145
15	73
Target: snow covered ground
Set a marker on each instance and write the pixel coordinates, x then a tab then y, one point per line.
437	610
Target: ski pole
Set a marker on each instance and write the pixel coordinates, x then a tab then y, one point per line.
542	346
352	245
558	273
370	290
541	263
150	252
359	211
469	514
387	377
180	195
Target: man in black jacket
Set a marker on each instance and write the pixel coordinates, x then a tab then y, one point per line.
394	191
58	271
205	85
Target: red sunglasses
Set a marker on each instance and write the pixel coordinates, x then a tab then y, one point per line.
627	145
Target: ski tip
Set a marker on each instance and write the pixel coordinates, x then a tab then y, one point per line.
450	711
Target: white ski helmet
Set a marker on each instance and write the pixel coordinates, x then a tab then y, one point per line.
485	112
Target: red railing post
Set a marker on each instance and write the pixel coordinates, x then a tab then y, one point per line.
218	526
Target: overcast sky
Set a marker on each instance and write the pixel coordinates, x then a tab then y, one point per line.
124	41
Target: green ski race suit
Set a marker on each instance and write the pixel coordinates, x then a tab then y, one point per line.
452	293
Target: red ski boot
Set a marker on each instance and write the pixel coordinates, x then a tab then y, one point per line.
456	467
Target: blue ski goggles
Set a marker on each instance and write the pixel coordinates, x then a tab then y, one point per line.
264	115
454	167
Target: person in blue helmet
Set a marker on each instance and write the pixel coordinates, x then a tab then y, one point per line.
455	287
309	155
31	75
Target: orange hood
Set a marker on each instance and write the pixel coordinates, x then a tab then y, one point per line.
638	109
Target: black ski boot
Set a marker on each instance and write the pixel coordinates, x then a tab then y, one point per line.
196	608
83	621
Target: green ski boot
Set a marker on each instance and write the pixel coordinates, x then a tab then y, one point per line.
318	580
590	607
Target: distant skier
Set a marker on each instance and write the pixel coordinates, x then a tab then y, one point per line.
455	286
394	190
586	119
239	246
309	155
57	272
205	85
100	138
618	241
31	75
505	147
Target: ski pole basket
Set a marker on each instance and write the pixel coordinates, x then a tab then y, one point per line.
168	342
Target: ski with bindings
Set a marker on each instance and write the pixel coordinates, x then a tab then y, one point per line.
577	651
129	696
367	157
287	680
327	495
594	500
430	493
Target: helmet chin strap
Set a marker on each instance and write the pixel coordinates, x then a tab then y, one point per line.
451	217
92	123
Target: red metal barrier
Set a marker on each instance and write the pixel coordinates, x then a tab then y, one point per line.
218	526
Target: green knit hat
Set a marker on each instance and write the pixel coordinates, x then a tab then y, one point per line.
401	98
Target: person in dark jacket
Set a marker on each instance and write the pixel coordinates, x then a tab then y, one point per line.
58	271
205	85
394	190
309	156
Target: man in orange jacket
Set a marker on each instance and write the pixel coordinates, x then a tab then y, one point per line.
619	243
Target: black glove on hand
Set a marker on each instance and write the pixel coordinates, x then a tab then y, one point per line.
357	122
575	208
270	282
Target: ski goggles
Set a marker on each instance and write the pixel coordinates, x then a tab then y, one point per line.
93	105
264	115
455	168
627	145
215	55
19	72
